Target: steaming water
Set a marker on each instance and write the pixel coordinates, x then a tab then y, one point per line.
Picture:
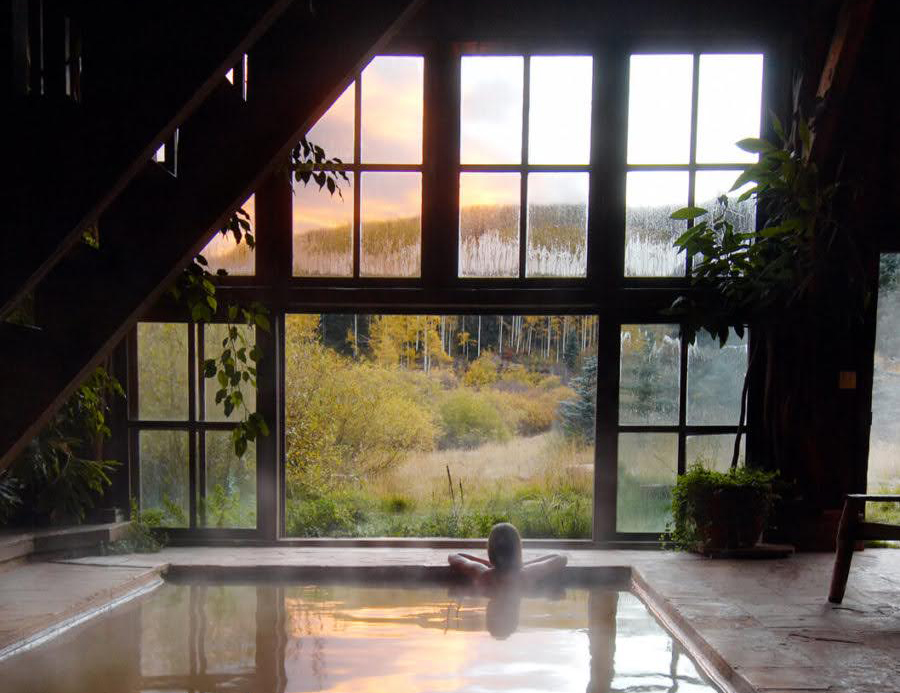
270	638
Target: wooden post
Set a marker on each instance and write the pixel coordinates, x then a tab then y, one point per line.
845	540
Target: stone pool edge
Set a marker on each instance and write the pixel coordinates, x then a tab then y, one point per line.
37	632
707	658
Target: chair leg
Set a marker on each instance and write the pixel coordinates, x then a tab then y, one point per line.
846	538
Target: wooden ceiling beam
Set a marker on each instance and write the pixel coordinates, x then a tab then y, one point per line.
853	21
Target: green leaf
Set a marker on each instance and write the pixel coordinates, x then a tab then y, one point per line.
688	213
749	175
755	145
262	322
209	368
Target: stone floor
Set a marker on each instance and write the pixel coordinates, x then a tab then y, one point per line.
763	625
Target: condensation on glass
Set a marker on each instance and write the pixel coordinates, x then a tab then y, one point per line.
650	199
659	109
390	202
213	337
559	109
709	186
729	103
489	208
392	104
230	484
162	366
164	476
391	224
491	109
647	469
713	451
884	434
379	407
715	379
557	224
237	259
649	375
323	231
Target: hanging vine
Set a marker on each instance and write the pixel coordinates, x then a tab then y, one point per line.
238	363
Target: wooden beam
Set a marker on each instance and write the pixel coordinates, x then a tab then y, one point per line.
159	223
852	23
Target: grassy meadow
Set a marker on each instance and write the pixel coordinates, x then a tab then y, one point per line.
398	426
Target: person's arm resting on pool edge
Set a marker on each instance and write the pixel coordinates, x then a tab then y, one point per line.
470	566
539	568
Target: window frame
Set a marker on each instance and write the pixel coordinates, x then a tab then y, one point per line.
604	291
195	425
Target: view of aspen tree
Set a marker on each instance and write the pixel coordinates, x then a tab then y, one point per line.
439	425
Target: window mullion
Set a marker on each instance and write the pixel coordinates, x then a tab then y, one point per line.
357	133
193	472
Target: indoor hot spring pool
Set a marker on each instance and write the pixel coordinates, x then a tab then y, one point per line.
281	638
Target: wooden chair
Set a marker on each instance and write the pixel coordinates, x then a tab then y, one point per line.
853	528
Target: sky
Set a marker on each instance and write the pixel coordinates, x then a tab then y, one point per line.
659	114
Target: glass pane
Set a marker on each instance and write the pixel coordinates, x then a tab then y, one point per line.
230	483
334	130
379	407
710	185
165	468
557	224
213	336
162	371
659	109
223	253
884	435
491	110
648	467
323	231
559	110
728	106
489	206
391	233
650	197
649	375
392	110
715	379
713	452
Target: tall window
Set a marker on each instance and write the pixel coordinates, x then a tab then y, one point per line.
678	405
525	124
373	227
418	403
189	475
685	113
884	436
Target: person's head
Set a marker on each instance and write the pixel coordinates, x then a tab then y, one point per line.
505	547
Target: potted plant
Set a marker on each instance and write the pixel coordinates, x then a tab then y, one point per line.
779	281
716	511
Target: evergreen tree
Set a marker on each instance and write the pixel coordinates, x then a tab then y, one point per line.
577	415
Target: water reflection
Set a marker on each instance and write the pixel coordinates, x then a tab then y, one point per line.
278	638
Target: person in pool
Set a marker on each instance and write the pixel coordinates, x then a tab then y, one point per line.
504	562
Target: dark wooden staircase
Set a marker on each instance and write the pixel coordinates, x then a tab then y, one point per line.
151	223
